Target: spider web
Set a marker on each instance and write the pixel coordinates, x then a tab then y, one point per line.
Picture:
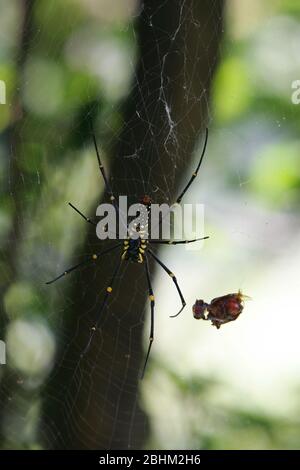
54	162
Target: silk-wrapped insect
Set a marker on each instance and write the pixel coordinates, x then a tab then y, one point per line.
220	310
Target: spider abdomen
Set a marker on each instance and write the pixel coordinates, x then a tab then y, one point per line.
134	249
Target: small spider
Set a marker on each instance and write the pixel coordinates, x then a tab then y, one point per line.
135	250
221	310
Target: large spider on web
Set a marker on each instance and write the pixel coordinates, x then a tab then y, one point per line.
135	250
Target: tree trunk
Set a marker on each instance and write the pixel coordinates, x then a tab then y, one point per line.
94	402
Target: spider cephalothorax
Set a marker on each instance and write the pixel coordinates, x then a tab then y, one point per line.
135	248
146	200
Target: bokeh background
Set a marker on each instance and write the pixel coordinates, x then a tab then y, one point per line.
66	64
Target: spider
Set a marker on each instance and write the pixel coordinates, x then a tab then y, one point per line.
136	250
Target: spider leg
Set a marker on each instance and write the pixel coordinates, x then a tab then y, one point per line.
104	302
90	221
178	200
106	180
176	242
82	215
152	303
173	279
88	260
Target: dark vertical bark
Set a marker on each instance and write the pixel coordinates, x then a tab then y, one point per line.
95	403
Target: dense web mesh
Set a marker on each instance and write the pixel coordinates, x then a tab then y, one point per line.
142	77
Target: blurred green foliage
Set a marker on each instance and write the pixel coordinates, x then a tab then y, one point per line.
201	422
